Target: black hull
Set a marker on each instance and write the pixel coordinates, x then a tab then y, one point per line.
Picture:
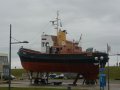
27	55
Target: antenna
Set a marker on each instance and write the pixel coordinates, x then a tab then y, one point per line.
80	39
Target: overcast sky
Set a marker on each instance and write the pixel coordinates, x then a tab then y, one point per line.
97	20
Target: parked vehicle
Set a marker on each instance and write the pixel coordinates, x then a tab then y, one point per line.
7	77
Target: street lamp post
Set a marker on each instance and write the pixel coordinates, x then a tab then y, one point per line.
10	54
108	71
10	60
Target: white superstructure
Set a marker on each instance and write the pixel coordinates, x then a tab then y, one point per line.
46	41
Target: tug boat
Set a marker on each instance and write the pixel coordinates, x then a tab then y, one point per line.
60	55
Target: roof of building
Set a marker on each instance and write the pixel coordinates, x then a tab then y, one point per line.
3	54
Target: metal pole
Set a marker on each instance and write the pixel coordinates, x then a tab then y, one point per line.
108	48
99	73
108	76
117	61
9	88
10	60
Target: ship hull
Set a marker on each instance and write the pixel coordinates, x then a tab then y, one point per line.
59	67
84	64
89	71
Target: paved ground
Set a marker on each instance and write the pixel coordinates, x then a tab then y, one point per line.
114	85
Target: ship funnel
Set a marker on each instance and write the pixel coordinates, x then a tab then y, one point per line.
61	38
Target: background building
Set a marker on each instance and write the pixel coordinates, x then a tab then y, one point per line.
4	65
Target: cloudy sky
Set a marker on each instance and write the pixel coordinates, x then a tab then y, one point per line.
97	20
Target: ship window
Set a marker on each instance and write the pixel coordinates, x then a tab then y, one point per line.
57	50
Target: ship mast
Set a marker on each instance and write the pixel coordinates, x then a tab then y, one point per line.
57	27
55	23
57	20
61	34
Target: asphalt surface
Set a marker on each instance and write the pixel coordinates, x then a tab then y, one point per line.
114	85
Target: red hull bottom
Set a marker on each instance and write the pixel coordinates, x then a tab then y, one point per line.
89	71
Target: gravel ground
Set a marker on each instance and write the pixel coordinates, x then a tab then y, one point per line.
114	85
